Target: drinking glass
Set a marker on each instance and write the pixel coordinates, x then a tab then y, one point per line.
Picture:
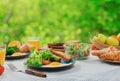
34	41
2	54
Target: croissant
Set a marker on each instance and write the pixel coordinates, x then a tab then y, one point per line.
104	51
113	56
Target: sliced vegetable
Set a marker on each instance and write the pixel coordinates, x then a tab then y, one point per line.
94	47
46	62
1	69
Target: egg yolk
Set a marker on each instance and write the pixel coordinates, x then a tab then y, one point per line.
17	54
55	63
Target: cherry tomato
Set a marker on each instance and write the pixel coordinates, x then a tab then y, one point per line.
1	69
46	62
94	47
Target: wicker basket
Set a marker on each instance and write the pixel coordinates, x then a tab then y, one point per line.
100	45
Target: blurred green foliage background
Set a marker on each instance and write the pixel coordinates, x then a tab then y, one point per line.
58	20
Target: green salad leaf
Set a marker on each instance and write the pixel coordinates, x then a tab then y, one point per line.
46	55
11	50
36	58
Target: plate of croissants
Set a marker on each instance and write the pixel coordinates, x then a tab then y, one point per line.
110	54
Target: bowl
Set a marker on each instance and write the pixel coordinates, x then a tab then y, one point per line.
79	51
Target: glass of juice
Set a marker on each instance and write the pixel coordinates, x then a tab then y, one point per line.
2	54
34	41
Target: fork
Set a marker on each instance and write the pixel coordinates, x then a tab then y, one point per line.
28	71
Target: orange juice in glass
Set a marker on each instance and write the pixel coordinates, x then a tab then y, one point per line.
34	41
2	55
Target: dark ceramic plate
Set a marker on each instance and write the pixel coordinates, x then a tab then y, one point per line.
110	61
17	57
49	67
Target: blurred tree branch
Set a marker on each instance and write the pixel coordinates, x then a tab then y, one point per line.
8	16
10	12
